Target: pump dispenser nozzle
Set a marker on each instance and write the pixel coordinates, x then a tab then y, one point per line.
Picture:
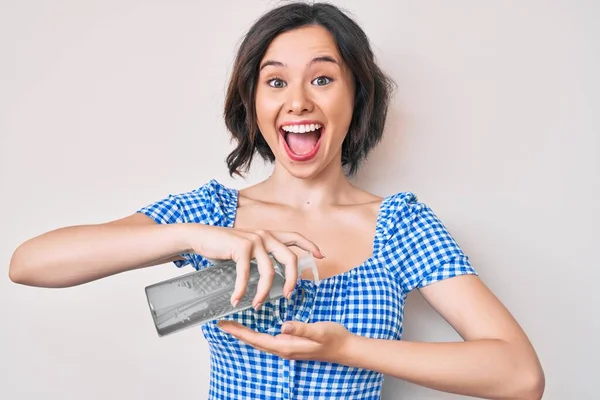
308	262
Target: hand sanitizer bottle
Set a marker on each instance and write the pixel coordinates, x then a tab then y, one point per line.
202	296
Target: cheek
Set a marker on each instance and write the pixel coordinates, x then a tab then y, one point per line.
340	109
267	109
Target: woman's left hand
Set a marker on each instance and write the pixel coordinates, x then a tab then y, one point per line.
319	341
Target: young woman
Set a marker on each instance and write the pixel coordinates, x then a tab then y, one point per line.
307	95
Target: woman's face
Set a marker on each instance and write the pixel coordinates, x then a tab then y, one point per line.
304	100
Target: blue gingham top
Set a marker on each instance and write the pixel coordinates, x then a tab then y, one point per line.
411	249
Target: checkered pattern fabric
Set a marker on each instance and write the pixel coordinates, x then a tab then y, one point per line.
411	249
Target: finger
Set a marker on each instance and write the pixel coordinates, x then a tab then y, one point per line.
232	327
288	258
242	272
296	239
261	341
265	269
301	329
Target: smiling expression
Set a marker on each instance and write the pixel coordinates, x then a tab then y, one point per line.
304	100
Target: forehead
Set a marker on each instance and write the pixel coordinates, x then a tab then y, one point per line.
301	44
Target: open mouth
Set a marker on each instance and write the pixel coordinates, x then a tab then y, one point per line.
301	141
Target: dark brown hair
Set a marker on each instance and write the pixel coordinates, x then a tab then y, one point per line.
372	86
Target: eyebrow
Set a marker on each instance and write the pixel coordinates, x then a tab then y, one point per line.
315	60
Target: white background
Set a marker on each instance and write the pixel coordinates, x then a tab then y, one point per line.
106	106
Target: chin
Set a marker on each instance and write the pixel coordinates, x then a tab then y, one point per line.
308	170
301	171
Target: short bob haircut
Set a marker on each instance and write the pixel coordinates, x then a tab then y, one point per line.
372	87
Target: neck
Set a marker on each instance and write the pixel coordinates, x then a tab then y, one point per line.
329	186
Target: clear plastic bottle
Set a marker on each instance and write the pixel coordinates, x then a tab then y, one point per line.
202	296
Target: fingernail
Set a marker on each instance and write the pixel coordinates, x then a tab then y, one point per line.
286	329
256	307
235	302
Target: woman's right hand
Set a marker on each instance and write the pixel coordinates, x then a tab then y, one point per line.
239	245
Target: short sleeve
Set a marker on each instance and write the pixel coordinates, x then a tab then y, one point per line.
203	205
421	250
167	211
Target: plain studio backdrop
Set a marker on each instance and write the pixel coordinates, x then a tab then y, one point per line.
106	106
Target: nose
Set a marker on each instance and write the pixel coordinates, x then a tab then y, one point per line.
299	101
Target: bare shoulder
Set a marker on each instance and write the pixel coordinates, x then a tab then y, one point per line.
250	197
366	202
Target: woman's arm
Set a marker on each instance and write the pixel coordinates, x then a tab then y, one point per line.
496	360
78	254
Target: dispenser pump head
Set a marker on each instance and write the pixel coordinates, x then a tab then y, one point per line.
308	262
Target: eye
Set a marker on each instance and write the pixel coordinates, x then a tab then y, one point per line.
322	81
276	83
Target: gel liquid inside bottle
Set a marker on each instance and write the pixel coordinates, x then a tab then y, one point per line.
202	296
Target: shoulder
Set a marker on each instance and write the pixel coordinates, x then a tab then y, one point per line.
211	191
417	246
211	203
400	207
410	226
404	216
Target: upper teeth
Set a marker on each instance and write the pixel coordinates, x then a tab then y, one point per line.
301	128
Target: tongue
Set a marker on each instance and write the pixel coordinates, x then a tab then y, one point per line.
302	143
